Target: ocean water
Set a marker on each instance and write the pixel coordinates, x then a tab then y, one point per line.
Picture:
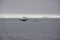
32	29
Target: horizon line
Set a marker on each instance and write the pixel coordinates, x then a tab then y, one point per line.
28	16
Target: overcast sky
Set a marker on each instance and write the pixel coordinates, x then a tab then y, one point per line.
30	7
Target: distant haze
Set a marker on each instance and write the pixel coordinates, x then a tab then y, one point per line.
30	7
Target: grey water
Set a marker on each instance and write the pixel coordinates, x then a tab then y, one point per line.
31	29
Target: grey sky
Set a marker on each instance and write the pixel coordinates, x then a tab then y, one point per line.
30	6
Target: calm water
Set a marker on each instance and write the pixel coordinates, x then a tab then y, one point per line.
32	29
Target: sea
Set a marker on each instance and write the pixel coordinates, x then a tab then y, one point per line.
31	29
